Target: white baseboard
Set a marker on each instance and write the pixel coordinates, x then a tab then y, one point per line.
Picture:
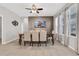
5	42
71	47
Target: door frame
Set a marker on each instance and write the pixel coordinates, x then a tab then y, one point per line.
1	29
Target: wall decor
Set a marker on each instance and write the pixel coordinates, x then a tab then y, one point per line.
15	23
40	24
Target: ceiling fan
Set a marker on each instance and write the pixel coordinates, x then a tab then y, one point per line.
34	9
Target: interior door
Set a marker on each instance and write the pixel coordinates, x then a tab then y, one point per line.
72	27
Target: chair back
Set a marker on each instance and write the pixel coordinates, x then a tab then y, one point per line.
35	36
43	35
27	36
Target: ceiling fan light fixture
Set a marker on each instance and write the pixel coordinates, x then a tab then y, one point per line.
34	9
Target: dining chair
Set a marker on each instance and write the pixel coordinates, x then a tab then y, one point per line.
27	38
35	37
43	37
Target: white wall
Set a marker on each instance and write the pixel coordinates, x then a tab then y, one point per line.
24	24
0	26
9	32
56	25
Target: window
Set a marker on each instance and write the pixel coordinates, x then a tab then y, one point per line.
72	20
61	23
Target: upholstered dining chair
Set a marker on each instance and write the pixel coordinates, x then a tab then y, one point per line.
27	38
35	37
43	37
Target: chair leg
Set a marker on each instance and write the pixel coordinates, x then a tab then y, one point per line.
24	43
32	43
40	43
45	43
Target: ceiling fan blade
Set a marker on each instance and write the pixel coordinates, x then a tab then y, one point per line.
30	11
37	12
28	8
40	9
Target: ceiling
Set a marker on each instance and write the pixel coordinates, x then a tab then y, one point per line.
50	9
